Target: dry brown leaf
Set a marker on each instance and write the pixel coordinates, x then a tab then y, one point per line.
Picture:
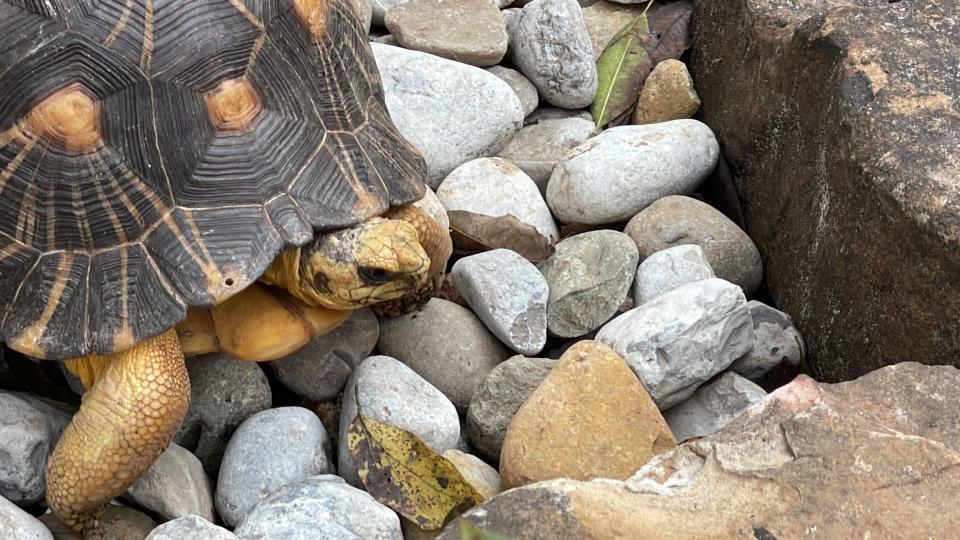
669	34
476	232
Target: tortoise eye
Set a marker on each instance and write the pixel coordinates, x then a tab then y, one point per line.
374	276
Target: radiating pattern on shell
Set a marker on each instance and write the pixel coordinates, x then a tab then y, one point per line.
157	154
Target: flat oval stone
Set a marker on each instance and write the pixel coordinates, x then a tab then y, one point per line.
451	112
620	172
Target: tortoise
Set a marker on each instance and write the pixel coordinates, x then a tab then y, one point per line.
158	157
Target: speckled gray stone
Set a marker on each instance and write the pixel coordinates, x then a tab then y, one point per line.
29	430
504	390
19	525
589	276
496	187
446	344
190	528
668	269
509	295
223	393
320	369
175	486
544	114
537	148
677	220
450	111
618	173
713	406
552	48
775	341
682	338
391	392
320	508
270	449
525	89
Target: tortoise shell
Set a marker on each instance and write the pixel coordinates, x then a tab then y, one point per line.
158	154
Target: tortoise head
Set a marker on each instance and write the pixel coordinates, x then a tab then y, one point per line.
374	261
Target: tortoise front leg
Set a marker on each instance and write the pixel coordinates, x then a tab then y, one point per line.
134	403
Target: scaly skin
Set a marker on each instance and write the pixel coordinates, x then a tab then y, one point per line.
135	405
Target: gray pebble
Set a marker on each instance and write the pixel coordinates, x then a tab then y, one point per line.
713	406
175	486
29	430
552	48
775	341
504	390
223	393
496	187
270	449
525	89
509	295
450	111
681	339
16	524
537	148
320	369
589	276
320	508
668	269
675	220
190	528
393	393
621	171
446	344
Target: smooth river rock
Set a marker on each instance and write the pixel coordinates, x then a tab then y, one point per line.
450	111
623	170
468	31
539	146
668	269
29	430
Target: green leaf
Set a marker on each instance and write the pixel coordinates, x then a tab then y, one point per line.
469	531
621	70
402	472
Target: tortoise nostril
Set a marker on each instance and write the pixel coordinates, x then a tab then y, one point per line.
229	281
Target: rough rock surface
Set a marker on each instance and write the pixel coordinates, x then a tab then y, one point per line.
269	450
450	111
713	406
391	392
552	48
589	276
321	507
590	418
320	368
776	342
504	390
840	120
468	31
525	89
175	486
872	458
190	528
677	219
447	345
509	295
681	339
29	430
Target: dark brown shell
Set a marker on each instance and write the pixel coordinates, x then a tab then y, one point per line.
178	193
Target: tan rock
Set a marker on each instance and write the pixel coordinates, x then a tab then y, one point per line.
667	94
878	457
484	478
468	31
604	19
590	418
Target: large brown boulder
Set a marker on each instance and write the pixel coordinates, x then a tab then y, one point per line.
840	119
878	457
